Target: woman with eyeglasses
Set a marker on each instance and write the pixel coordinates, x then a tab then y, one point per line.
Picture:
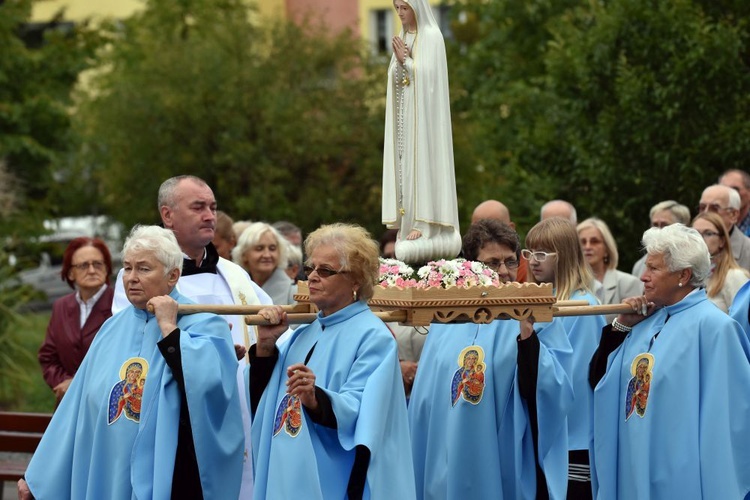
154	410
726	277
487	412
77	317
600	250
555	256
671	401
329	410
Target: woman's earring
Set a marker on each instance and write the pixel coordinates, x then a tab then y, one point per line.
355	294
679	284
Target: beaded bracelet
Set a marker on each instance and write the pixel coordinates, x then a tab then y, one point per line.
619	327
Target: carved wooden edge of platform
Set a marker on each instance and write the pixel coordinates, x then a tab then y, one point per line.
448	305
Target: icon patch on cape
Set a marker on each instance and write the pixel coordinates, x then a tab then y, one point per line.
468	381
126	396
288	416
636	397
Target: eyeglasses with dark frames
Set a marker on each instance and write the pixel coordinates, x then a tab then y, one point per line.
712	207
323	272
84	266
496	263
708	234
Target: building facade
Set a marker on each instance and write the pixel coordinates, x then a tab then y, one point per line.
373	20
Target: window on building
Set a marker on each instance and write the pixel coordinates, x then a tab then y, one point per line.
442	13
382	31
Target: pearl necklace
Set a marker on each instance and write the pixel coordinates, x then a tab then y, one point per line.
402	81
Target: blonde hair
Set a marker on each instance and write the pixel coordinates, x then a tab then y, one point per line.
724	260
251	236
572	272
358	253
609	241
224	225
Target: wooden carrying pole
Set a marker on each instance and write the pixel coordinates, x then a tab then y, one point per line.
593	310
300	313
230	309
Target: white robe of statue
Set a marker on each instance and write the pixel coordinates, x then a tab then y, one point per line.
419	183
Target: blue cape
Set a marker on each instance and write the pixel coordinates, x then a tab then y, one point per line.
739	308
584	333
114	435
687	435
355	362
479	445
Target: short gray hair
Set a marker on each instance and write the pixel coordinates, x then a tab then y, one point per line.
295	256
157	240
734	198
166	197
680	212
682	248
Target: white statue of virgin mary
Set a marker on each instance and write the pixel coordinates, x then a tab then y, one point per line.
419	183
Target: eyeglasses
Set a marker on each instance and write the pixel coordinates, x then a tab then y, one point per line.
84	266
538	256
496	263
708	234
323	272
712	207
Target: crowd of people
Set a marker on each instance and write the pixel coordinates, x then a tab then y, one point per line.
154	402
648	404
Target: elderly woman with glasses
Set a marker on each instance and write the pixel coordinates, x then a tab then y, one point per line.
154	410
555	256
329	406
77	317
725	202
489	398
671	400
726	277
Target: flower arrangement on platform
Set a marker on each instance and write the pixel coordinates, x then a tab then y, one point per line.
393	272
442	273
460	273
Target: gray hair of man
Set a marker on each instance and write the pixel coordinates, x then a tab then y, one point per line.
680	212
294	258
734	198
682	248
251	237
166	197
157	240
745	176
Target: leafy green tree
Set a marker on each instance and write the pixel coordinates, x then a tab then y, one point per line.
635	101
35	84
657	99
498	75
283	121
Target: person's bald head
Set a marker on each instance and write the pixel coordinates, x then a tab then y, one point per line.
559	208
492	209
